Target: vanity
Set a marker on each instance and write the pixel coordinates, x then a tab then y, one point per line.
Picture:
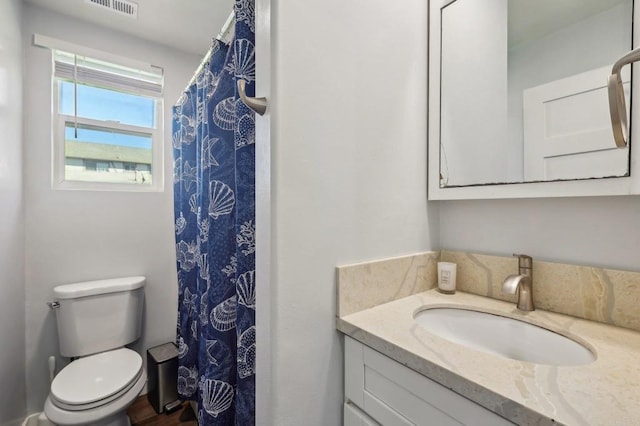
399	372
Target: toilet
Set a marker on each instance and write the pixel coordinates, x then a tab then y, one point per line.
96	319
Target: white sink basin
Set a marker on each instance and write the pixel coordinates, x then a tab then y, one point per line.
506	337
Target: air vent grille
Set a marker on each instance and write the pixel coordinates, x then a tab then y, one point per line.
121	7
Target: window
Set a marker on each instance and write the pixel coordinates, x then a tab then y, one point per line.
108	125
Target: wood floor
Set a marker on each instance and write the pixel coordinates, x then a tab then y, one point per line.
142	413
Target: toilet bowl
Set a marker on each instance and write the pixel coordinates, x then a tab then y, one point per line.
95	320
96	389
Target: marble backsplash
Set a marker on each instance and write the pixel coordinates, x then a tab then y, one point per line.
365	285
597	294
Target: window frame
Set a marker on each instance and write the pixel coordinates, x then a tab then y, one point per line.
59	121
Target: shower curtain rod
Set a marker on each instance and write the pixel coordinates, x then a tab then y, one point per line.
225	32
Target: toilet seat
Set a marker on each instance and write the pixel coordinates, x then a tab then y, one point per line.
102	415
123	380
96	380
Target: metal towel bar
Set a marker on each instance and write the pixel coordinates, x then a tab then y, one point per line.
259	105
617	104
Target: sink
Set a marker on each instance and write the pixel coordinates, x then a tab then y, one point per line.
506	337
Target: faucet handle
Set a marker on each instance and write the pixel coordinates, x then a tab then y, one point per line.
524	261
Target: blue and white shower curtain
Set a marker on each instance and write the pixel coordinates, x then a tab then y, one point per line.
214	187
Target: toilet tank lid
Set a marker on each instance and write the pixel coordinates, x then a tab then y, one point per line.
91	288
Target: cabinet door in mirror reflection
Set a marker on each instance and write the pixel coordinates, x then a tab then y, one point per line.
524	90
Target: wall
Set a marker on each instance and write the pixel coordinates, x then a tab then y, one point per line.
347	163
12	365
82	235
597	231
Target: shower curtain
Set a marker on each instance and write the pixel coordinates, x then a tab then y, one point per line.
214	203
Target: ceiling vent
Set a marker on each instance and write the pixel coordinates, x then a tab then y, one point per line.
121	7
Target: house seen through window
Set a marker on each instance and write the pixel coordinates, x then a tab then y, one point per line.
108	124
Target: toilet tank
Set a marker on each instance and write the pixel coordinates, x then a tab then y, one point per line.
97	316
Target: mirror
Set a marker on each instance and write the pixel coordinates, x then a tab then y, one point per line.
523	90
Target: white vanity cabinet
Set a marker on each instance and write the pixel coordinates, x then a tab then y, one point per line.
379	390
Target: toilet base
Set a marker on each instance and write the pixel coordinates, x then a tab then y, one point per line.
120	420
37	419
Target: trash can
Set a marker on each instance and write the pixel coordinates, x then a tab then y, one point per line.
162	376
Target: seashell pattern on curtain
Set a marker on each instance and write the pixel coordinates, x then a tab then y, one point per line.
214	203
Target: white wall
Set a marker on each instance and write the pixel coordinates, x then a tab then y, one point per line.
80	235
347	182
600	231
12	345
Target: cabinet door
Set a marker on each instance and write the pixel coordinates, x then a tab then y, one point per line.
393	394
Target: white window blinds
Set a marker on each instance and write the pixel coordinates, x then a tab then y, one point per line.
103	74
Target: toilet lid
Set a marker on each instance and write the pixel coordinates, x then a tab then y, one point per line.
96	377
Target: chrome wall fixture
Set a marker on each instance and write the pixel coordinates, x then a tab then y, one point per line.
259	105
617	104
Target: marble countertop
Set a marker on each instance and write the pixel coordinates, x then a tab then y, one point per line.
605	392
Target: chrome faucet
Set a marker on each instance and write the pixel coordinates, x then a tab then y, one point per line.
521	283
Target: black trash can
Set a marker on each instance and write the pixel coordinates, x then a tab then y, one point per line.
162	375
